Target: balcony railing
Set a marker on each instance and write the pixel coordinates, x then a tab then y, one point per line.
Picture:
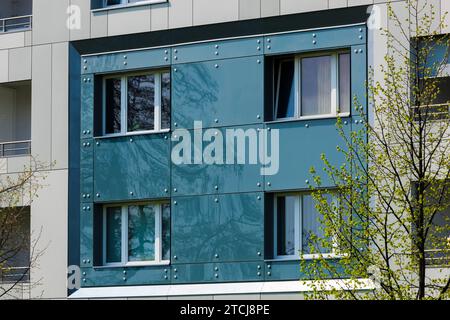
15	275
15	148
15	24
437	257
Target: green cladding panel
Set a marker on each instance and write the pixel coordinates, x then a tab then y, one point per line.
132	168
224	176
87	109
218	228
86	166
217	93
86	235
301	146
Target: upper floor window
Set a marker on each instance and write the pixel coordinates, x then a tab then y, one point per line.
15	15
125	2
312	86
136	234
438	105
296	223
136	103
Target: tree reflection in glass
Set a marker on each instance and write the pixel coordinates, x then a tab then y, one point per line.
141	103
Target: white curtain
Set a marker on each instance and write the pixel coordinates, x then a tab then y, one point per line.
316	85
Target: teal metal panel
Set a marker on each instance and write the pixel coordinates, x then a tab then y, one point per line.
126	61
86	166
126	276
241	218
217	272
193	273
301	144
282	270
87	106
86	235
217	93
359	80
315	40
240	271
216	50
220	228
197	179
132	168
195	226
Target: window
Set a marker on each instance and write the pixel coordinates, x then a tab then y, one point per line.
136	234
136	103
312	86
108	3
295	220
15	249
439	107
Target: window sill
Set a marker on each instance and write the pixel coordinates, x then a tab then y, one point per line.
129	5
306	118
134	264
131	134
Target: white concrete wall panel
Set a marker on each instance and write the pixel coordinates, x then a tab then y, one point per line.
41	113
99	24
12	40
270	8
159	17
180	13
249	9
82	24
215	11
129	20
50	21
295	6
20	64
4	65
49	220
60	105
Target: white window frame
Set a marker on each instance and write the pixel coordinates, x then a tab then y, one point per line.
124	103
334	96
124	236
299	231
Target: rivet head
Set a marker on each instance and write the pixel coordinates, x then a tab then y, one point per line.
216	66
85	61
175	58
175	51
259	274
259	253
258	48
166	59
268	40
269	184
97	143
166	51
175	203
175	277
175	70
98	195
216	187
216	200
165	270
216	269
307	181
345	122
216	275
88	208
258	61
216	256
165	277
259	197
165	190
269	273
314	42
258	116
217	46
175	257
269	266
360	37
306	125
125	57
84	80
131	139
125	63
84	279
85	68
356	51
258	184
84	261
84	273
360	50
269	47
124	272
360	29
216	53
314	35
124	279
216	120
175	270
259	267
131	193
175	124
175	189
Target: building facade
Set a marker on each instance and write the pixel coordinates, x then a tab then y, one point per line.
135	104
